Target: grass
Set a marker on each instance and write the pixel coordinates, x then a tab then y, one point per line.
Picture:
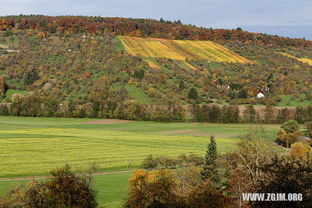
138	94
291	101
10	92
179	49
33	146
111	189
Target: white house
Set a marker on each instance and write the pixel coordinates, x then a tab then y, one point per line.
260	95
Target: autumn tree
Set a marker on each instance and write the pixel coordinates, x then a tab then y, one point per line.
300	114
283	115
206	196
151	189
269	115
297	173
250	114
251	155
64	189
215	114
300	150
288	134
3	87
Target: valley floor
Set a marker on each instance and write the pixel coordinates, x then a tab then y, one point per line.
34	146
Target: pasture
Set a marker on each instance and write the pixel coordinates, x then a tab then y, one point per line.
34	146
179	49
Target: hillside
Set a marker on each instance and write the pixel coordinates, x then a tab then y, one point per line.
116	67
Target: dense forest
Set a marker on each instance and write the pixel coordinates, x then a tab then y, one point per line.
78	67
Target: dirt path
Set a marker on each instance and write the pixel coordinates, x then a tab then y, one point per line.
47	177
107	121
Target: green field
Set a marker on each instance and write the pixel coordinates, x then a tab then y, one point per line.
137	94
34	146
291	101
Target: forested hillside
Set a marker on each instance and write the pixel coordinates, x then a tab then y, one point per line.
94	67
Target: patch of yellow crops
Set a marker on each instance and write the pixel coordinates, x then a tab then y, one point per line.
179	49
303	60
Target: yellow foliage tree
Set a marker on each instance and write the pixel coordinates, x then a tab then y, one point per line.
151	189
300	150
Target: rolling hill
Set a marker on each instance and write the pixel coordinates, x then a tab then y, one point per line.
118	67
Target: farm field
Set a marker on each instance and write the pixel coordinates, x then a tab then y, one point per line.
34	146
303	60
179	49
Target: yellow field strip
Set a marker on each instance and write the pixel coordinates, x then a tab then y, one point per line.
180	49
303	60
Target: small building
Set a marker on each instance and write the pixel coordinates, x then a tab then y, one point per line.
260	95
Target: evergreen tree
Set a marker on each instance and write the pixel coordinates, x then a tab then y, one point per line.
243	93
193	94
209	170
139	74
30	77
181	85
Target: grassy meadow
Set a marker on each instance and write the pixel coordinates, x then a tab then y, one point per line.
179	49
34	146
291	101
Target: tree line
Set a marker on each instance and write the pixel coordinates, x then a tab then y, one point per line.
117	106
140	28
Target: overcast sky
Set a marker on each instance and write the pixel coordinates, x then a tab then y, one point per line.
291	18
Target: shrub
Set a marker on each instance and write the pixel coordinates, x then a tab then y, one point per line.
290	126
149	162
309	128
286	139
